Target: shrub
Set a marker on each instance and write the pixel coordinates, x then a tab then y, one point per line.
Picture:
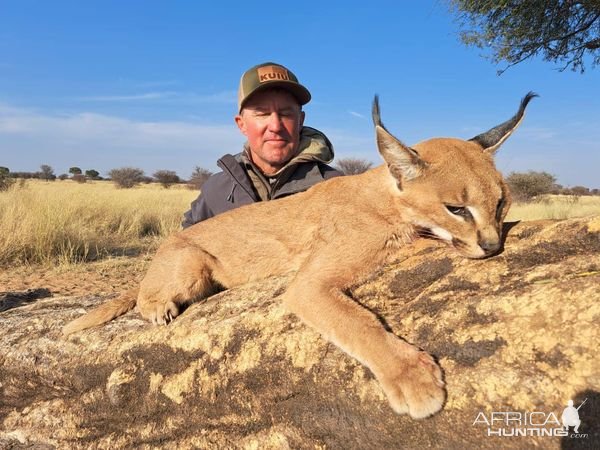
92	174
353	166
526	186
198	178
126	177
79	178
46	173
166	178
580	190
5	180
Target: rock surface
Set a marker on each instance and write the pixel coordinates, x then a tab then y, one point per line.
517	332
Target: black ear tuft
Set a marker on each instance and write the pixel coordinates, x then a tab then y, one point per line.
375	112
492	139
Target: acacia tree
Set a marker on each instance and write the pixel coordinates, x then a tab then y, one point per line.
126	177
166	178
353	166
5	180
47	173
92	174
526	186
561	31
199	176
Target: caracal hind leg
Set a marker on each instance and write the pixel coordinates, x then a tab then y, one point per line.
175	277
410	378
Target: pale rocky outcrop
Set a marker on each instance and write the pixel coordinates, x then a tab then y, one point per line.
517	332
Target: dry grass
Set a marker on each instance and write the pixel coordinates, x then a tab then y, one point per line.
64	222
555	207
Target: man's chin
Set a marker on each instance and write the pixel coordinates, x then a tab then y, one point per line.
283	145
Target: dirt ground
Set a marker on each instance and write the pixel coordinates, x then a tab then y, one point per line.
102	277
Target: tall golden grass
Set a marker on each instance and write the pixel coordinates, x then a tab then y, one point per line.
64	222
555	207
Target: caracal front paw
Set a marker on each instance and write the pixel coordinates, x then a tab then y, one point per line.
159	313
414	385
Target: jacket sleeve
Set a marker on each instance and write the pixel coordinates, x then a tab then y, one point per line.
198	212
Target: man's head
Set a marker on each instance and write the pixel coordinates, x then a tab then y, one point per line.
270	100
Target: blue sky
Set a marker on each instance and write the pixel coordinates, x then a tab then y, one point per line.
152	84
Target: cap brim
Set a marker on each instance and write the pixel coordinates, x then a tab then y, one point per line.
297	90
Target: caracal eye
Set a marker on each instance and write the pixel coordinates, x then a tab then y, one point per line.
460	211
499	209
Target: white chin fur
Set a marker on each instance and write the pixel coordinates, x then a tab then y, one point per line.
441	233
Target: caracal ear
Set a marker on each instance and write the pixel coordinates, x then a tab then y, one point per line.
403	162
494	138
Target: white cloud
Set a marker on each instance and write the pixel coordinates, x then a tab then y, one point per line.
153	84
126	98
29	138
227	97
355	114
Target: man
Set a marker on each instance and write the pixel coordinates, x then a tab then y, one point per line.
281	156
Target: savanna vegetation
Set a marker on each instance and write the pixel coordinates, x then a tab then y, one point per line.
69	222
563	32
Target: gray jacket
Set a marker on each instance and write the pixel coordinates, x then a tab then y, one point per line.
238	182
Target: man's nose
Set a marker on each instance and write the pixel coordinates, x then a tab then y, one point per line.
274	122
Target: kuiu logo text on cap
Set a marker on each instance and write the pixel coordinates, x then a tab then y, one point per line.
272	73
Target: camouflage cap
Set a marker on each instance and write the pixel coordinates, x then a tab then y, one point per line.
270	75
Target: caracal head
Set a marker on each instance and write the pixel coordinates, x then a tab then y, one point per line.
449	188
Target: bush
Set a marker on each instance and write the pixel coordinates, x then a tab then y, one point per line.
5	180
126	177
353	166
198	178
526	186
79	178
46	173
93	174
166	178
580	190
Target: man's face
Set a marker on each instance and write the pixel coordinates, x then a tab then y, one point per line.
271	120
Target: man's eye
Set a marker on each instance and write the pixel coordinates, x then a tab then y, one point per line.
461	211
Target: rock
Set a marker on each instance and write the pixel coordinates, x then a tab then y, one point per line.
514	333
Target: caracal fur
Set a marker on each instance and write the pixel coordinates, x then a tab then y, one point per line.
332	236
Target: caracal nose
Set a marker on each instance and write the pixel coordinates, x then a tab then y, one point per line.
490	246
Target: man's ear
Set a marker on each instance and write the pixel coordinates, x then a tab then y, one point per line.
302	119
241	123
